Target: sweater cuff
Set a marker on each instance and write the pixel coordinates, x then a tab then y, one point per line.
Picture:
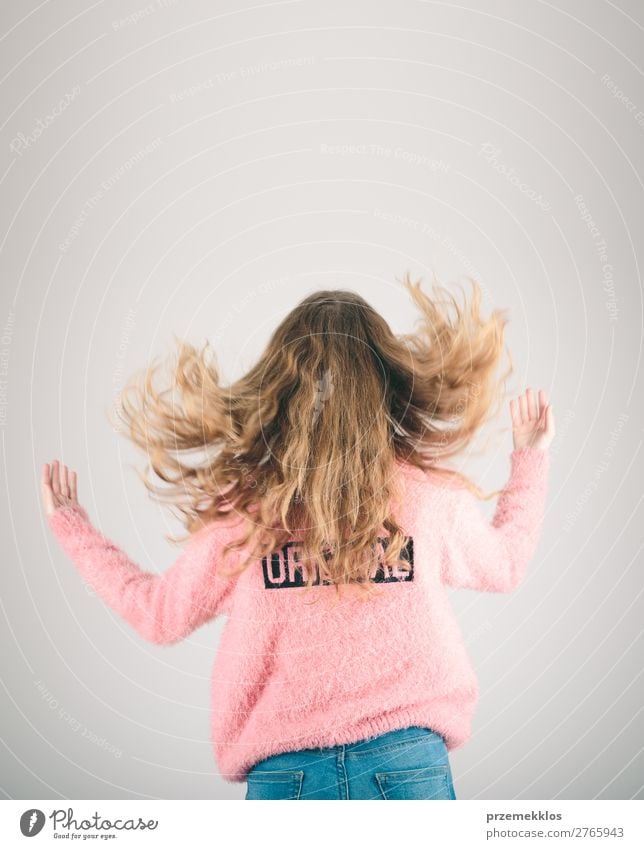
67	517
529	464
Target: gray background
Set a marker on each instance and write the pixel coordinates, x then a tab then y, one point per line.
208	167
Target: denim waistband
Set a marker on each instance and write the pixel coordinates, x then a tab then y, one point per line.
398	735
383	743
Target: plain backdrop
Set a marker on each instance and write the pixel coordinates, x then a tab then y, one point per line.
196	168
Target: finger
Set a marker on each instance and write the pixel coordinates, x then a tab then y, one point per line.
55	478
550	421
64	489
45	488
523	407
543	403
45	478
541	412
73	486
532	405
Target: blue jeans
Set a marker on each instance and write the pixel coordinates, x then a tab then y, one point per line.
407	763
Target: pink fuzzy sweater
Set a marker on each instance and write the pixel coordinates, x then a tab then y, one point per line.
290	674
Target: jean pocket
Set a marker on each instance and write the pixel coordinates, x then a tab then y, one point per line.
430	782
274	785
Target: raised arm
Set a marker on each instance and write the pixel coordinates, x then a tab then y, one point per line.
480	555
494	556
161	608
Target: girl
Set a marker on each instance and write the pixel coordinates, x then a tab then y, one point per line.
323	523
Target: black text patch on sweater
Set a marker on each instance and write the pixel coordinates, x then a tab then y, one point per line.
282	568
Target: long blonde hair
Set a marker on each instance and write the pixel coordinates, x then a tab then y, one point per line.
306	441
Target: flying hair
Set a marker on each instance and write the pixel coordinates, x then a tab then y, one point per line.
305	444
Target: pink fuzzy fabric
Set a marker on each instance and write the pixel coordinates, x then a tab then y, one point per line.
291	674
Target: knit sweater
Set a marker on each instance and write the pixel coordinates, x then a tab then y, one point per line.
296	671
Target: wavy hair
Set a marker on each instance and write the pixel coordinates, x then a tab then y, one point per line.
305	443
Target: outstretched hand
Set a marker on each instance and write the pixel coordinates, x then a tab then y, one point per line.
58	487
533	424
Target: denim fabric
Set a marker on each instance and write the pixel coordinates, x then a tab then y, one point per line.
407	763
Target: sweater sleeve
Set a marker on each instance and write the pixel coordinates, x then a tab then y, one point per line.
161	608
494	556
